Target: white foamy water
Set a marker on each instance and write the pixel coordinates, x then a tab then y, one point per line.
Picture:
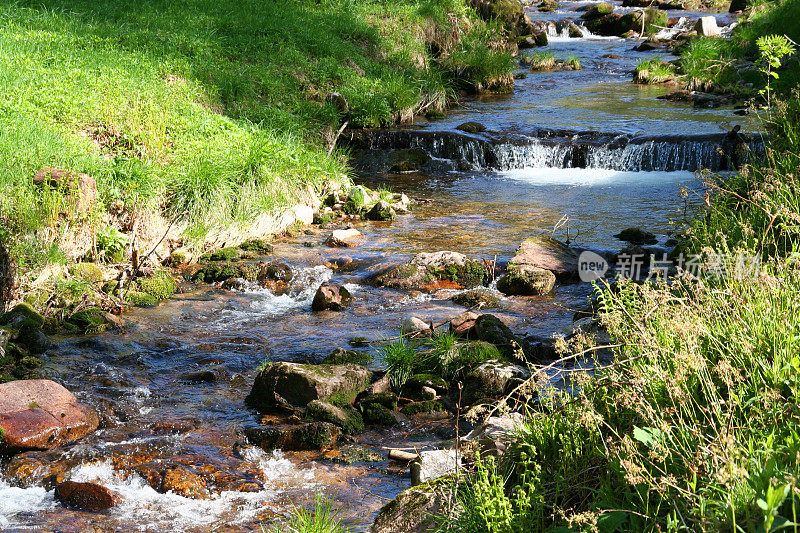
142	508
265	303
589	177
16	503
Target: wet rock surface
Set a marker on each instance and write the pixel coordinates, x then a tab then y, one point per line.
294	384
85	496
41	414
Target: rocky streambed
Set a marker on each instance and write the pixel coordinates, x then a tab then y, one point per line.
263	380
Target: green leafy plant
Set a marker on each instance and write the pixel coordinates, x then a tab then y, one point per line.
772	48
111	244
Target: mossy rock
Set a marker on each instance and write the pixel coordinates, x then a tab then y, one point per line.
216	272
377	414
357	200
355	453
386	399
526	280
471	127
475	353
427	406
160	285
408	160
229	253
598	10
491	329
434	114
141	299
417	381
636	236
347	418
358	342
477	298
257	246
22	316
311	436
340	356
92	320
87	272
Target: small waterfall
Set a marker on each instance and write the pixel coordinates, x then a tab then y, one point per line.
558	149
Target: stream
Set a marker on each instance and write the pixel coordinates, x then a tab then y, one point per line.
487	193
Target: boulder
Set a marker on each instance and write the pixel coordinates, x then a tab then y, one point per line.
598	10
707	27
415	510
471	127
22	317
464	324
81	189
85	496
275	271
377	414
547	253
296	384
491	329
636	236
415	326
381	211
526	280
492	379
331	298
343	238
483	299
311	436
39	414
408	160
495	435
434	464
430	271
346	418
341	356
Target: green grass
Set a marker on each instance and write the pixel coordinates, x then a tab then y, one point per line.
322	519
542	60
653	70
209	112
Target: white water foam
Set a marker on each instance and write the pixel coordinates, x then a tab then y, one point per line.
144	509
265	303
17	502
588	177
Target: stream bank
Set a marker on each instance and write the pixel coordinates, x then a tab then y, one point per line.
172	384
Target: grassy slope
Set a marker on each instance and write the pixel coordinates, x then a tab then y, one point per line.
213	111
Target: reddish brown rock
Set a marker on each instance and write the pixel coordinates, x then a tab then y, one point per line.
85	496
39	414
81	188
464	324
331	298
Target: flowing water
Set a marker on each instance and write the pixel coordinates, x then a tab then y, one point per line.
517	182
